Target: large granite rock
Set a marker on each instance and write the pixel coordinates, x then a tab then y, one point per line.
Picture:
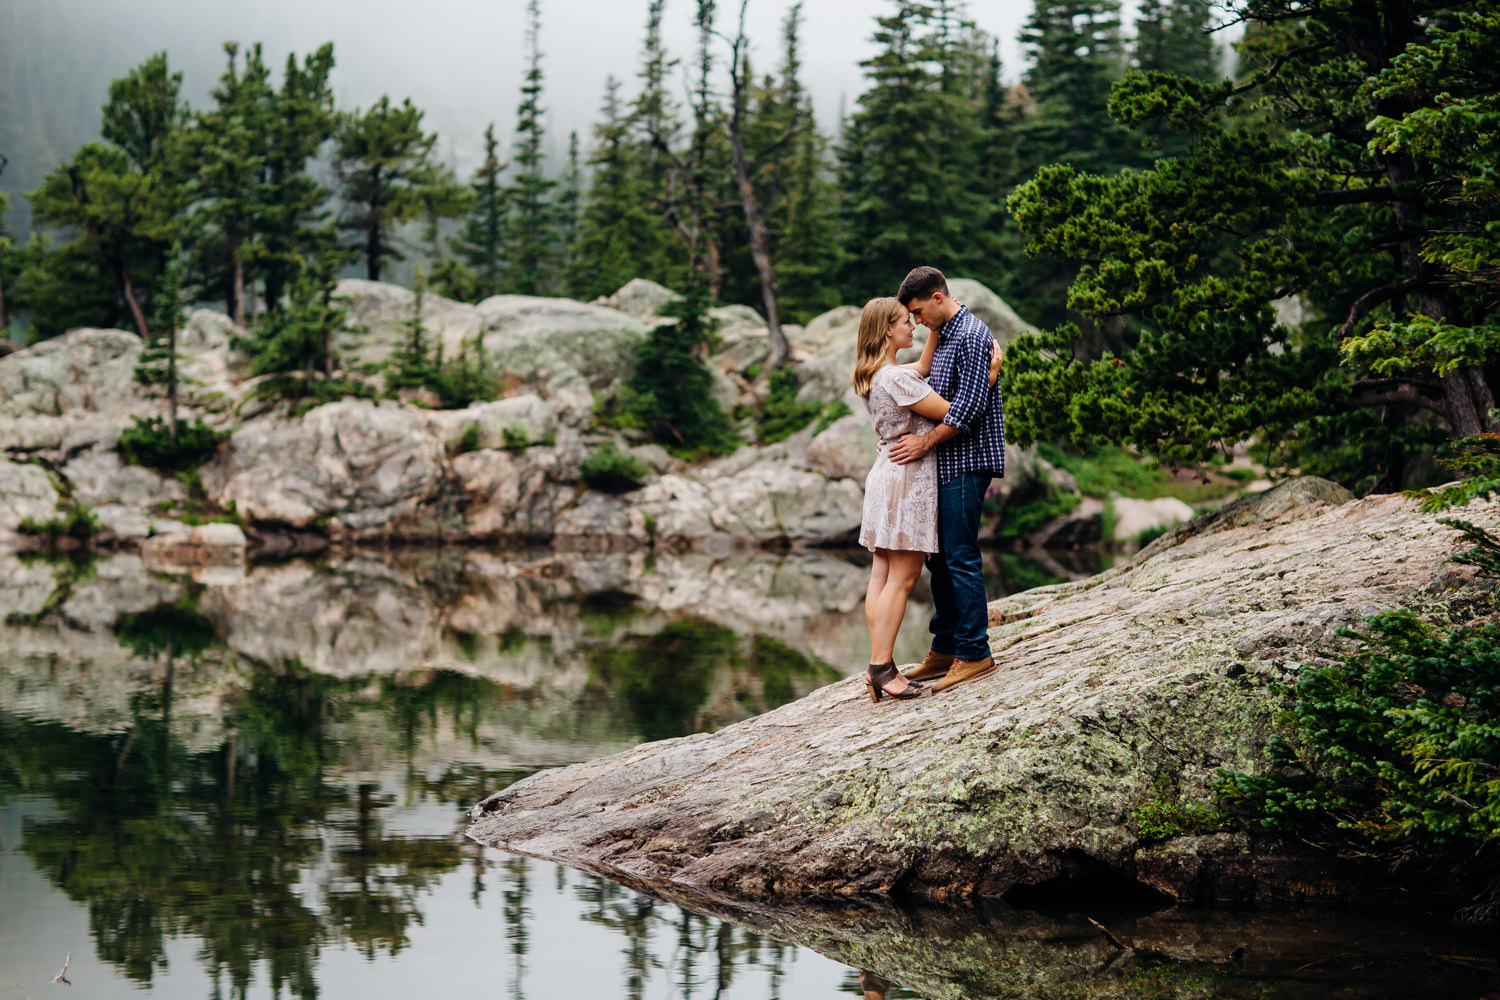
562	349
1165	667
1002	320
377	314
352	467
508	496
26	493
85	370
769	500
641	298
845	450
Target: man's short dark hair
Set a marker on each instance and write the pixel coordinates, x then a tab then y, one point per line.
921	283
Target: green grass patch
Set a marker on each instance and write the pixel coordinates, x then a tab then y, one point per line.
609	470
1114	470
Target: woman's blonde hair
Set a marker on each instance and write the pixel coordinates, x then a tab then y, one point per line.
869	353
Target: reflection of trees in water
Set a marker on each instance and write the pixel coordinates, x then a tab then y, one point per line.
695	676
704	954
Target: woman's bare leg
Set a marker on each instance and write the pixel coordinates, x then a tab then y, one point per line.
892	576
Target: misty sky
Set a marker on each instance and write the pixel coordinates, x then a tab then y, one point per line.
461	60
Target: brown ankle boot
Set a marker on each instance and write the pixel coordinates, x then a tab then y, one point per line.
965	670
932	665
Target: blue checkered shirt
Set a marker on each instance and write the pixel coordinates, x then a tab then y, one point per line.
961	375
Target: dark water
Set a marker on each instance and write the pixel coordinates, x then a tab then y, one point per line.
254	784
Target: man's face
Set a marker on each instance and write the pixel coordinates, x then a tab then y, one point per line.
929	312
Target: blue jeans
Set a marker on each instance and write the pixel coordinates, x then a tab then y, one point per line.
961	623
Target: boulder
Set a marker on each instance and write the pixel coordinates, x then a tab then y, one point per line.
513	495
514	422
561	349
377	314
838	323
206	545
85	370
26	493
641	298
100	478
352	466
767	501
846	450
1134	518
1169	666
997	315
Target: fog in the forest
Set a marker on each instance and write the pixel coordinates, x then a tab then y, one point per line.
460	60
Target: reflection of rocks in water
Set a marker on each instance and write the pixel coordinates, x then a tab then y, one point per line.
997	951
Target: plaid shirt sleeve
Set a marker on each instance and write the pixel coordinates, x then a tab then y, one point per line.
971	377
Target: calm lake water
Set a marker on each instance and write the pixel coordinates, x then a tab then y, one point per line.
253	784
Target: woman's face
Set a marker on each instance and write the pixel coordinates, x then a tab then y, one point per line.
899	332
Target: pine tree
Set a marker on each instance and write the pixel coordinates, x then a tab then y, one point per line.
383	162
122	202
157	364
1171	36
532	230
653	119
569	200
227	148
294	223
481	241
615	210
908	160
297	341
807	249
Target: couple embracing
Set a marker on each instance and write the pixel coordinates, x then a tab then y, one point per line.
942	439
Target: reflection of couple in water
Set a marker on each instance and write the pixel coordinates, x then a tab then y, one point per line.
874	986
942	438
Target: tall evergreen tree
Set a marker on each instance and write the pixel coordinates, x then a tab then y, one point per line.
532	232
481	240
661	255
157	365
807	250
907	160
1076	54
294	223
385	170
118	204
1171	36
227	150
615	210
569	200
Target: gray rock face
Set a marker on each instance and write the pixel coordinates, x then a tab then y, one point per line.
846	450
26	491
353	465
85	370
766	501
562	349
377	313
641	298
512	422
1162	666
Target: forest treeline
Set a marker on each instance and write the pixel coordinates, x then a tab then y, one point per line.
1305	254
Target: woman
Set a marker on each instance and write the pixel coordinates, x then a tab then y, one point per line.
900	512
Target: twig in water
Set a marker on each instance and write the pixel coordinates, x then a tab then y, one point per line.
62	977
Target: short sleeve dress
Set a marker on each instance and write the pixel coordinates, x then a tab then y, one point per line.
901	501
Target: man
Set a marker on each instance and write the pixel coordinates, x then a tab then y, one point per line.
970	444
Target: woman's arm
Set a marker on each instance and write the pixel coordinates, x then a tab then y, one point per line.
932	406
923	365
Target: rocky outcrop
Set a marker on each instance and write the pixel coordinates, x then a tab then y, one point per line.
26	494
1163	668
353	467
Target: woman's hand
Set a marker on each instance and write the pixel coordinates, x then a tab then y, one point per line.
997	355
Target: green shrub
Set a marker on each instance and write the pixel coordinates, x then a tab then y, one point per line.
469	440
149	443
1103	471
79	522
1164	815
834	411
782	416
609	471
515	439
1026	518
1392	754
671	393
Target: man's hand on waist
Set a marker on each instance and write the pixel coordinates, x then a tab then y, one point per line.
914	447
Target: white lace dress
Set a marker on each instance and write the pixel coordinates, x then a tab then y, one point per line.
901	501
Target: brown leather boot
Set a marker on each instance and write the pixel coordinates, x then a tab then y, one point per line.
932	665
965	670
